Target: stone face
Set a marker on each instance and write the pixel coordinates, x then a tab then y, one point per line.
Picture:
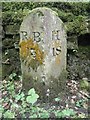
43	51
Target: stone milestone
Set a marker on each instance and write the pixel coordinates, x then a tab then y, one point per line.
43	49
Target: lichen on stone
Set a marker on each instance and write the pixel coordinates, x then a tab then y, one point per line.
26	48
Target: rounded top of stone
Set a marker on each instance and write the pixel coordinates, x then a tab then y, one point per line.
42	11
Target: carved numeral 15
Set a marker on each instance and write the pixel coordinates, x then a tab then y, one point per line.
56	51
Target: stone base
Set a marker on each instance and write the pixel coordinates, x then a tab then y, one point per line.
46	91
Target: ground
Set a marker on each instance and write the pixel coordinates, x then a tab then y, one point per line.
73	104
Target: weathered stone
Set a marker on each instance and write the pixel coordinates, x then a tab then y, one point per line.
10	63
88	25
72	42
12	29
9	43
0	31
43	51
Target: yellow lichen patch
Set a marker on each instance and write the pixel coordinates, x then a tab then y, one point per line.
25	51
57	59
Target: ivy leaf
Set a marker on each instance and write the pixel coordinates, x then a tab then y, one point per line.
79	103
44	115
68	112
32	99
32	96
12	75
18	97
22	94
31	91
84	85
33	116
58	113
24	104
1	111
57	99
9	114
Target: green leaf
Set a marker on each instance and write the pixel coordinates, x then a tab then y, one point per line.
84	84
32	99
68	112
0	115
1	111
18	97
31	91
9	114
33	116
79	103
14	106
44	115
58	113
12	75
22	94
24	104
57	99
34	109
